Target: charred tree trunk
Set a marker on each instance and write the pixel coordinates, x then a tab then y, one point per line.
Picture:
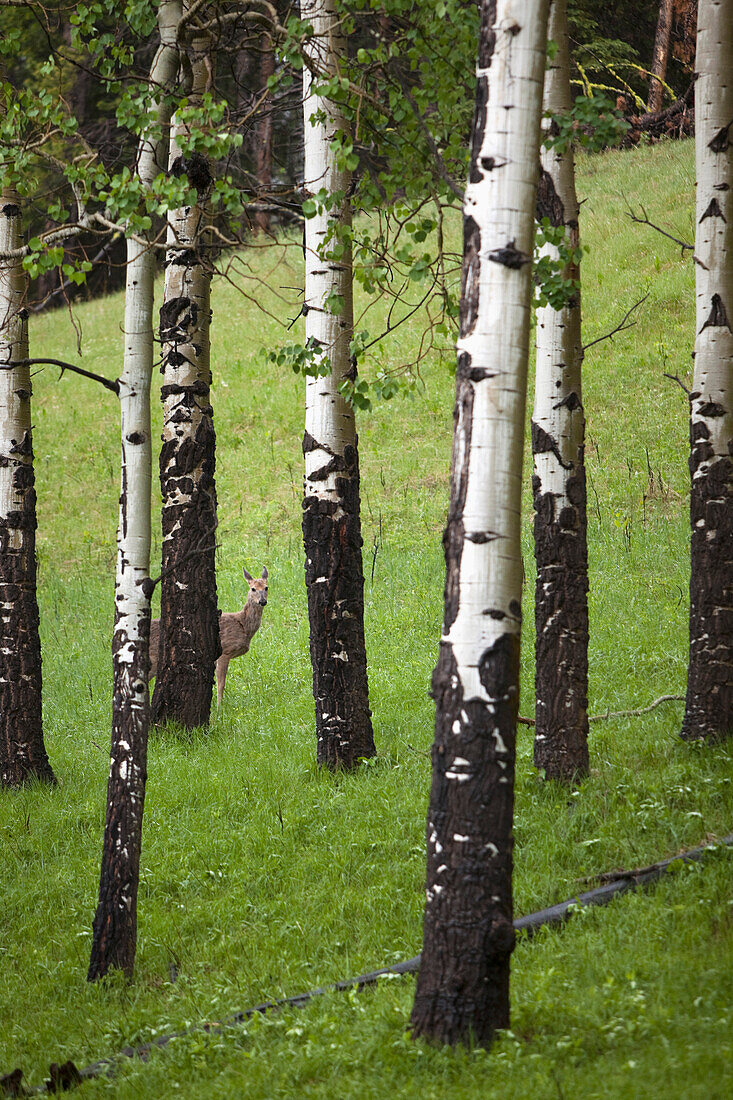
463	985
114	938
660	56
22	751
334	574
558	434
189	621
264	134
709	704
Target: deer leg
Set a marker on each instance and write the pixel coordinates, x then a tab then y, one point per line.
221	674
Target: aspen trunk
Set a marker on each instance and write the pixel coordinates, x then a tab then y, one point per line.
331	521
709	704
22	751
189	621
463	986
558	484
660	55
115	922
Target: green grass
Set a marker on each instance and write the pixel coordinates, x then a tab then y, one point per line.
262	877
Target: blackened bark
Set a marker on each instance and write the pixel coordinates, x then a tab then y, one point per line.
463	985
334	578
189	623
22	750
709	702
561	624
558	484
189	634
115	922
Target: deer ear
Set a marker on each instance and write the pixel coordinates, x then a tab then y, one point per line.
247	576
264	573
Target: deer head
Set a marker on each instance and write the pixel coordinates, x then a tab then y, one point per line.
257	587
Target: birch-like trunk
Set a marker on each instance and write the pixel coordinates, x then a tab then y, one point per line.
334	574
709	704
558	484
189	634
660	56
115	922
22	751
463	986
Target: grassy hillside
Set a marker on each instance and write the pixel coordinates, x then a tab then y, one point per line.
262	877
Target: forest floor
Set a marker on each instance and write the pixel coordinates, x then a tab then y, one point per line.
263	877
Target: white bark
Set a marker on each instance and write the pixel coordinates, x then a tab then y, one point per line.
558	435
463	986
329	419
15	418
713	375
22	751
331	522
134	532
709	703
501	203
115	923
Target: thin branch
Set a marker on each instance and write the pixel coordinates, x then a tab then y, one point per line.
621	327
618	713
678	380
108	383
438	160
645	221
149	583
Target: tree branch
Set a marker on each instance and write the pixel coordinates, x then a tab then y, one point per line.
620	327
645	221
149	583
618	713
108	383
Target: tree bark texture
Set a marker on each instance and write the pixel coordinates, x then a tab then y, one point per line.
189	633
331	519
660	56
115	923
558	484
709	703
463	984
264	133
22	750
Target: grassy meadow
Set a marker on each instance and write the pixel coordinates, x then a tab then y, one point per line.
261	876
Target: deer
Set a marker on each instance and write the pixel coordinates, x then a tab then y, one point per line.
236	631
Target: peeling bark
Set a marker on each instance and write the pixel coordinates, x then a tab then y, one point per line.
189	633
22	751
558	484
463	985
331	513
709	701
114	937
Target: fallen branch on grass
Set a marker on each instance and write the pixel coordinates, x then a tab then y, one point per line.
67	1075
617	713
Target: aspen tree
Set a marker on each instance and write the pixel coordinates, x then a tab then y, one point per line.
22	750
189	634
331	521
558	437
463	985
709	702
115	922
